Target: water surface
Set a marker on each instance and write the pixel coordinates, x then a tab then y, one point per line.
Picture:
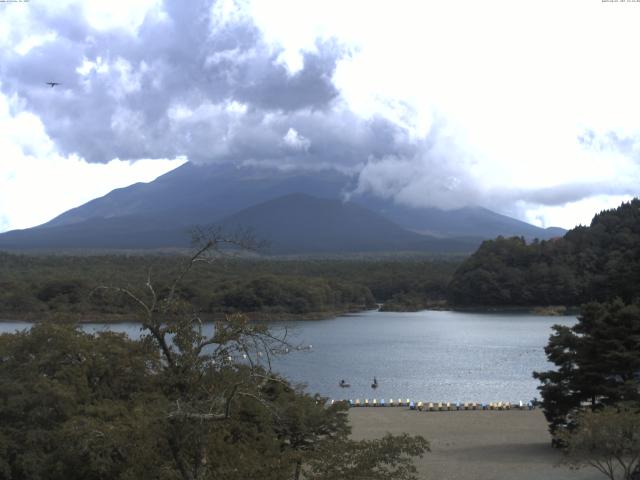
428	355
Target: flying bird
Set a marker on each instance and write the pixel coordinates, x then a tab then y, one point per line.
52	84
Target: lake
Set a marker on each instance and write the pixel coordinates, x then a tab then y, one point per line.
428	355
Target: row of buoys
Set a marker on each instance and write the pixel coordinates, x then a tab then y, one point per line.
438	406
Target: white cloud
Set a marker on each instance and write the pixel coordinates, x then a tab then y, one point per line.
87	67
34	41
573	213
295	141
516	83
105	15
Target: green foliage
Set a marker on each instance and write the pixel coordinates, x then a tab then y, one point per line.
44	286
593	263
177	404
388	457
273	294
68	401
598	361
607	440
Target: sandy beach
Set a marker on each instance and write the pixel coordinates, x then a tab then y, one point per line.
474	445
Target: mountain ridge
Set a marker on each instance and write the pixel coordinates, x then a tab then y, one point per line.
160	213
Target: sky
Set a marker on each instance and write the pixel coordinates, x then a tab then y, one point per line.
531	109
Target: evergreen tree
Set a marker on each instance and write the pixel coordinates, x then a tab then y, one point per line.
598	361
594	263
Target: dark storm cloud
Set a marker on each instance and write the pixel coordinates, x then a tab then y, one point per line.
269	86
187	84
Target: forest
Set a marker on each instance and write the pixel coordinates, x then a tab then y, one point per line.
593	263
46	286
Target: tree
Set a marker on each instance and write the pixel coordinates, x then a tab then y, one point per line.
187	401
381	459
598	361
599	262
74	405
608	440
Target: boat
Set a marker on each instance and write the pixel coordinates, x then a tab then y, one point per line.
375	383
344	384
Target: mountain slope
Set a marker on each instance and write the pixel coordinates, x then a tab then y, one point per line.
160	213
126	232
295	223
192	194
299	223
477	221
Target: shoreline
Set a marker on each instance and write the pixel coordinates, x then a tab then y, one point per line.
116	318
543	310
259	317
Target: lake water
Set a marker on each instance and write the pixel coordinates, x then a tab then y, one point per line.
428	355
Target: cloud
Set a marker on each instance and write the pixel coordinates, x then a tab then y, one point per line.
611	141
441	110
37	184
422	175
169	88
296	141
563	194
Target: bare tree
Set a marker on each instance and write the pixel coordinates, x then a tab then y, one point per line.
206	367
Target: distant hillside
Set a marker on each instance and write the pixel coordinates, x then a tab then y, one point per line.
467	221
299	223
126	232
589	263
292	224
160	214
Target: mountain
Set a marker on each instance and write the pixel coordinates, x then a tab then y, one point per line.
294	223
475	221
299	223
160	214
193	194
